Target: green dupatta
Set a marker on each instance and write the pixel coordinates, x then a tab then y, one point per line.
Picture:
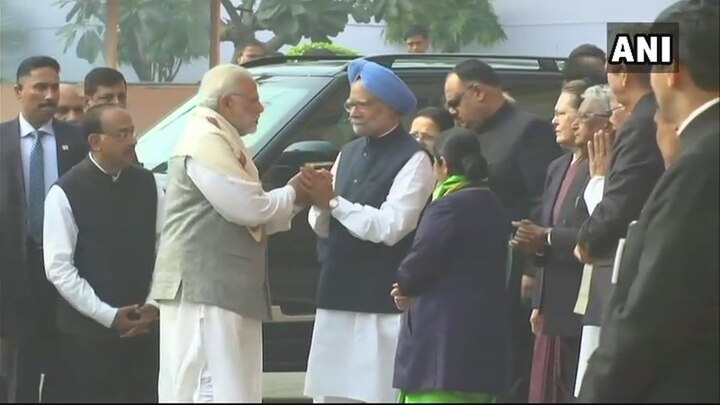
451	184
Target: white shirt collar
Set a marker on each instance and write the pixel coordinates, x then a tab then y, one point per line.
695	114
27	129
393	128
114	178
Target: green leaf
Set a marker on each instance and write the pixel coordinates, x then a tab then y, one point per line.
378	9
296	9
89	46
293	27
405	6
361	15
72	12
267	13
69	41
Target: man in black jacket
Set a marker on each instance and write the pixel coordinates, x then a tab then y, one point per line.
102	219
659	340
635	165
519	147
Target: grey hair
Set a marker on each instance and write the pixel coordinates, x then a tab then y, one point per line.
601	93
220	81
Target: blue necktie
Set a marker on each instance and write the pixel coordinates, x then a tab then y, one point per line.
36	189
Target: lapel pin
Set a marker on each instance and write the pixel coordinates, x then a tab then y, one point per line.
65	147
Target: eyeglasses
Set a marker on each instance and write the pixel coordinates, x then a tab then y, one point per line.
455	102
361	104
586	116
122	135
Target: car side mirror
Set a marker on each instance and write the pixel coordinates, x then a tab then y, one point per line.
320	154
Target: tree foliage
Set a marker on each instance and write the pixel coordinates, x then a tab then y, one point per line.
158	36
452	23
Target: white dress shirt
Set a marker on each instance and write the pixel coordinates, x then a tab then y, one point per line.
59	240
396	217
27	142
594	192
695	113
244	202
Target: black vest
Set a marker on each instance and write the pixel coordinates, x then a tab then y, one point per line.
115	248
358	275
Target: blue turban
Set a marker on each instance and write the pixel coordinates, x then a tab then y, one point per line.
384	84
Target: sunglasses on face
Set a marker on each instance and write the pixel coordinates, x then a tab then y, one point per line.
454	103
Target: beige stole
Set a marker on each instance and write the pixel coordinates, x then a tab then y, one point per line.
216	144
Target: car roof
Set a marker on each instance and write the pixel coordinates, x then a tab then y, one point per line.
331	66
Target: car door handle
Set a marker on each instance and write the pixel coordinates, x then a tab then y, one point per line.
321	165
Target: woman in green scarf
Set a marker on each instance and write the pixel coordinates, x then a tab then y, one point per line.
453	344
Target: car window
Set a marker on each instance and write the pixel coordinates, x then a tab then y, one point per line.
535	94
281	96
428	89
328	121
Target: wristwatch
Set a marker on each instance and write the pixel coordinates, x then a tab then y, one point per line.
333	203
547	235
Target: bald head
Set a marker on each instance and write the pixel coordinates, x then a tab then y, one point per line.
70	105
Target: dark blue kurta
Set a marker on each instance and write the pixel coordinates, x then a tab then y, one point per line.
456	334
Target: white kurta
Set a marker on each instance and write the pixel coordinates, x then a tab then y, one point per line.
209	354
352	355
590	333
588	343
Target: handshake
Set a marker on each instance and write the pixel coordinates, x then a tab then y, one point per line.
313	187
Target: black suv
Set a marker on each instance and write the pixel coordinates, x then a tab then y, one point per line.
304	121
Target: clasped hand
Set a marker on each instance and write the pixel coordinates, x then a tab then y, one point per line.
134	320
529	238
313	187
402	301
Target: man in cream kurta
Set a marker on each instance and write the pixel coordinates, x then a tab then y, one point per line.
365	220
210	275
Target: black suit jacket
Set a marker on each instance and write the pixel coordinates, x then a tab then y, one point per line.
559	272
71	148
636	164
659	340
519	147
